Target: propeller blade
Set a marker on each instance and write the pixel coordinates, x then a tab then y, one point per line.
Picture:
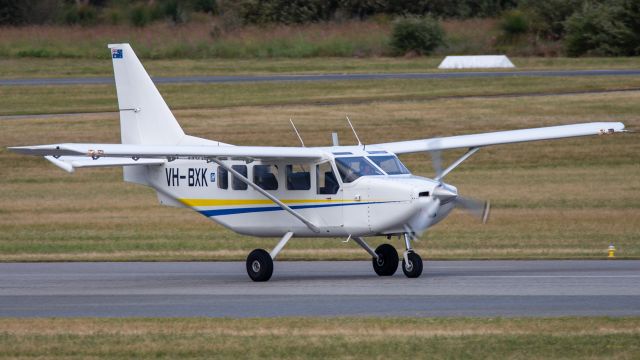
476	208
421	222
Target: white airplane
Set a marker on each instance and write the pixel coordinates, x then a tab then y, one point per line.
351	192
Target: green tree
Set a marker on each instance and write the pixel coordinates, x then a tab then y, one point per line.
548	17
604	29
514	23
421	35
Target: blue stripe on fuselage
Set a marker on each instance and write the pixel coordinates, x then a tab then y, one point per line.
220	212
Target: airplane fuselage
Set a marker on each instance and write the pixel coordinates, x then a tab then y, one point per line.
371	204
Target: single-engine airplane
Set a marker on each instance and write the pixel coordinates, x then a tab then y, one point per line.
351	192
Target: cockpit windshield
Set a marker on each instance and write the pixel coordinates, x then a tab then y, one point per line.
390	164
353	167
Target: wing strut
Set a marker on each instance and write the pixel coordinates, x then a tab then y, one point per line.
284	206
455	164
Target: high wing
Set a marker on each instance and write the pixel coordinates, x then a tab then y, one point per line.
74	155
503	137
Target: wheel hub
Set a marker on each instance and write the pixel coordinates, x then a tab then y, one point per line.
408	265
255	266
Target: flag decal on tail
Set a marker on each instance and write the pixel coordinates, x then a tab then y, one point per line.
116	53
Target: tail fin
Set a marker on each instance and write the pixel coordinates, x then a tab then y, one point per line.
144	116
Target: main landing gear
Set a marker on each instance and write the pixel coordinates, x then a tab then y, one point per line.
385	258
386	263
260	262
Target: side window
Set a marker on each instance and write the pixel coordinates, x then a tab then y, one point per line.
326	179
236	183
223	178
298	177
266	176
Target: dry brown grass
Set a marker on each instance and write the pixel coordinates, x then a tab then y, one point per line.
344	338
356	327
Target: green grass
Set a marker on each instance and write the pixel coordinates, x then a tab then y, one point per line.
337	338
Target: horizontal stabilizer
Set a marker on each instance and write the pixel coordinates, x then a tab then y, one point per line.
70	163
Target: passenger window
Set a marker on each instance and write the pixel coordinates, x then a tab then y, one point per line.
298	178
236	183
266	176
223	178
326	181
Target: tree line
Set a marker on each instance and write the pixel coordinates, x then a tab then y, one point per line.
593	27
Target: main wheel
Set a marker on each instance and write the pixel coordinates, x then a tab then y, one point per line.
412	268
387	262
259	265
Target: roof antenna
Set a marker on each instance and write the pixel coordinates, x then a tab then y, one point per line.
297	133
354	131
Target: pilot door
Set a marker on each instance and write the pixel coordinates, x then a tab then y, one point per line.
329	197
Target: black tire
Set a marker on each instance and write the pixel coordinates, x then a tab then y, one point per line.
259	265
413	268
387	262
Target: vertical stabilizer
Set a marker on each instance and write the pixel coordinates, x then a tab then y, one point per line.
144	116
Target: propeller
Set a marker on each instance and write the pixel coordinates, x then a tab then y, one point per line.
476	208
444	194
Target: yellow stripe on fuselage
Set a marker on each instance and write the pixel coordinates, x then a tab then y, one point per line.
228	202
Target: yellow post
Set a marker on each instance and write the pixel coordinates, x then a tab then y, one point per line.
612	251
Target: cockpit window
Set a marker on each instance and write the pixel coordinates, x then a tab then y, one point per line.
390	164
351	168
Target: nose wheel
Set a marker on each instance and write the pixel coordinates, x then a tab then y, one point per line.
412	265
411	262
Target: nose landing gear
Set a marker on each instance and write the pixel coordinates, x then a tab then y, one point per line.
411	261
412	265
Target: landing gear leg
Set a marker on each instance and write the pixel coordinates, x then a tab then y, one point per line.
260	262
411	262
385	257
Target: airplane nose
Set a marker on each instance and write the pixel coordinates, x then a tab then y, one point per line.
445	193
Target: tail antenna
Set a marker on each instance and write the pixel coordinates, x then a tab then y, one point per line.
354	130
297	133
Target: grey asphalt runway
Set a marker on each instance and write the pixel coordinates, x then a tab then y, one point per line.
195	289
321	77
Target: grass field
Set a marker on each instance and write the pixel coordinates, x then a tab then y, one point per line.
341	338
60	67
563	199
